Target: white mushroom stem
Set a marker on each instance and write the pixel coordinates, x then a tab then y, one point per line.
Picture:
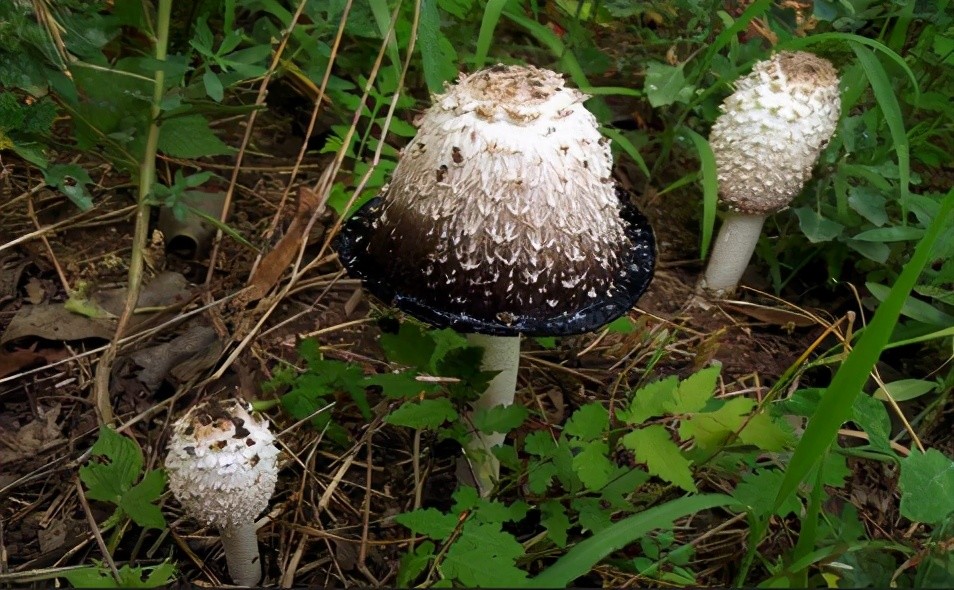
240	543
502	354
731	252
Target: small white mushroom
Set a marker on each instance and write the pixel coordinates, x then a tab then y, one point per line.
222	467
766	142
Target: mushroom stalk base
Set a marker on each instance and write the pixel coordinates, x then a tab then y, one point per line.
240	543
731	253
501	353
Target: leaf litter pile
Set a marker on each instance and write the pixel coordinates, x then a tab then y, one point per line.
368	490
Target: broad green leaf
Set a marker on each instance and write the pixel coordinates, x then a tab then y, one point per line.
815	227
425	414
400	385
649	401
138	502
766	433
499	418
429	522
592	465
914	308
484	556
890	234
190	136
589	422
751	493
694	391
71	180
665	84
115	464
653	446
555	520
413	563
872	417
213	86
584	555
927	486
710	429
905	389
539	443
621	325
129	577
410	346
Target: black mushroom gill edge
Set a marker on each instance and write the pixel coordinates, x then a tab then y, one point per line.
351	244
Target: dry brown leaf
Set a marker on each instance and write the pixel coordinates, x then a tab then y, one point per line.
274	264
16	360
770	315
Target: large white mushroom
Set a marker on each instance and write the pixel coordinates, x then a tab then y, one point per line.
766	142
222	467
502	218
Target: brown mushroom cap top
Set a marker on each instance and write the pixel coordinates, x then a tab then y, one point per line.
502	217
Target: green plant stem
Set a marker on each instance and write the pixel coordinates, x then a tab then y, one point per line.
147	176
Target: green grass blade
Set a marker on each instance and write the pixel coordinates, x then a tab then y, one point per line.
754	10
488	25
586	554
835	406
382	18
627	146
884	94
710	188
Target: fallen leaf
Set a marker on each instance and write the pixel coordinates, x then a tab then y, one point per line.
17	360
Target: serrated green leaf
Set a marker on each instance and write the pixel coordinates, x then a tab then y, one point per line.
649	401
710	429
539	443
589	422
129	577
653	446
499	418
429	522
872	417
927	486
413	563
767	433
693	392
400	385
540	475
410	346
555	520
592	516
115	464
484	556
751	492
139	501
425	414
592	465
190	136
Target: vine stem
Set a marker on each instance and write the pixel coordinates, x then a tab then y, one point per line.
147	177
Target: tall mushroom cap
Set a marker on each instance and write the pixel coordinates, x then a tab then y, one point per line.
502	216
772	130
222	463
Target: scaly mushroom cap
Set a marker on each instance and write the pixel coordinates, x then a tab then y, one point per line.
502	216
772	130
222	463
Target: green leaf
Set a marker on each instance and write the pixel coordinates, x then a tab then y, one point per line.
555	520
190	137
694	392
914	308
665	84
139	501
890	234
99	576
649	401
425	414
838	400
400	385
927	487
751	493
213	86
767	433
592	465
589	422
903	390
710	429
115	464
872	417
653	446
815	227
621	325
413	563
710	187
429	522
71	180
499	418
488	23
438	56
870	203
410	346
584	555
484	556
